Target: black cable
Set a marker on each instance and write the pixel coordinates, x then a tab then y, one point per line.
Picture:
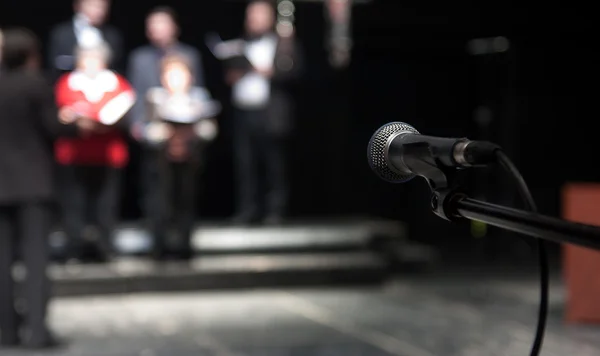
510	167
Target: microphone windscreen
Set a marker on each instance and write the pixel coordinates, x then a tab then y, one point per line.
377	152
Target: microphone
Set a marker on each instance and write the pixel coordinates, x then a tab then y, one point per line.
397	152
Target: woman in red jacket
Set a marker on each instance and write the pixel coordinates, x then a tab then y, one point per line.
91	164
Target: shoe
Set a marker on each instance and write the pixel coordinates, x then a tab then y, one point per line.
184	255
104	256
104	251
159	255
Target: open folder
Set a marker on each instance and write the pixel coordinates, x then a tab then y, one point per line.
231	52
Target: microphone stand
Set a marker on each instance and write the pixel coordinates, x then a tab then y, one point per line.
451	204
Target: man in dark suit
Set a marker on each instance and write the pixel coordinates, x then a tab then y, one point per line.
86	29
144	73
263	114
28	122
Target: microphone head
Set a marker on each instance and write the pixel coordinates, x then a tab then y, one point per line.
377	152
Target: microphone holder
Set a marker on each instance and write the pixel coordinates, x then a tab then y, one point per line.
451	204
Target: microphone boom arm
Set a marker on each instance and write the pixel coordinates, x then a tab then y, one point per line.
452	205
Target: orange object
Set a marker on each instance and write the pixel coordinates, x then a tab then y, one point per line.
581	266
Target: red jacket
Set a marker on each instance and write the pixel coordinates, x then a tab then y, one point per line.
106	98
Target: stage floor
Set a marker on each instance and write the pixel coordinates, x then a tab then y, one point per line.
427	315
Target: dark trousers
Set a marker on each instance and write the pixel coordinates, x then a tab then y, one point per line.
259	166
27	225
170	203
90	195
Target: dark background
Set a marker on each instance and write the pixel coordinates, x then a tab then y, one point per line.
410	63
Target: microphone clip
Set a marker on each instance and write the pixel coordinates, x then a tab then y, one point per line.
444	203
424	162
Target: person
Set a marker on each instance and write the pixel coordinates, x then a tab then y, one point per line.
180	124
144	73
1	43
91	165
144	67
87	28
262	114
28	122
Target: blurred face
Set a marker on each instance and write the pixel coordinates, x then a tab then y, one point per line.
91	62
177	78
161	29
96	11
259	18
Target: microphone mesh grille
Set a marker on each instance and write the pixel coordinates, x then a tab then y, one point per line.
376	152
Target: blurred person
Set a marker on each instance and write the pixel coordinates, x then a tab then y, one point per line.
88	28
144	68
28	123
91	164
144	72
262	114
1	42
180	125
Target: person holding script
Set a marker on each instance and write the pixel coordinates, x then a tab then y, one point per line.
91	164
180	125
261	67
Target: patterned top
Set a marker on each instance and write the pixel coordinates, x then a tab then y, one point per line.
182	109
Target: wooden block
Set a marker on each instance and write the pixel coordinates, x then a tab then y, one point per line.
581	266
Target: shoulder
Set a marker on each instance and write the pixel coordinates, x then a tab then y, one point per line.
189	51
141	53
122	82
61	28
32	83
65	77
140	56
34	79
63	85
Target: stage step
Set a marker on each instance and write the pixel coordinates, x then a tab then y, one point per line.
337	235
132	274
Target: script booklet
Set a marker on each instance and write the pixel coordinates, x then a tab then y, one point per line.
231	52
179	119
184	108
